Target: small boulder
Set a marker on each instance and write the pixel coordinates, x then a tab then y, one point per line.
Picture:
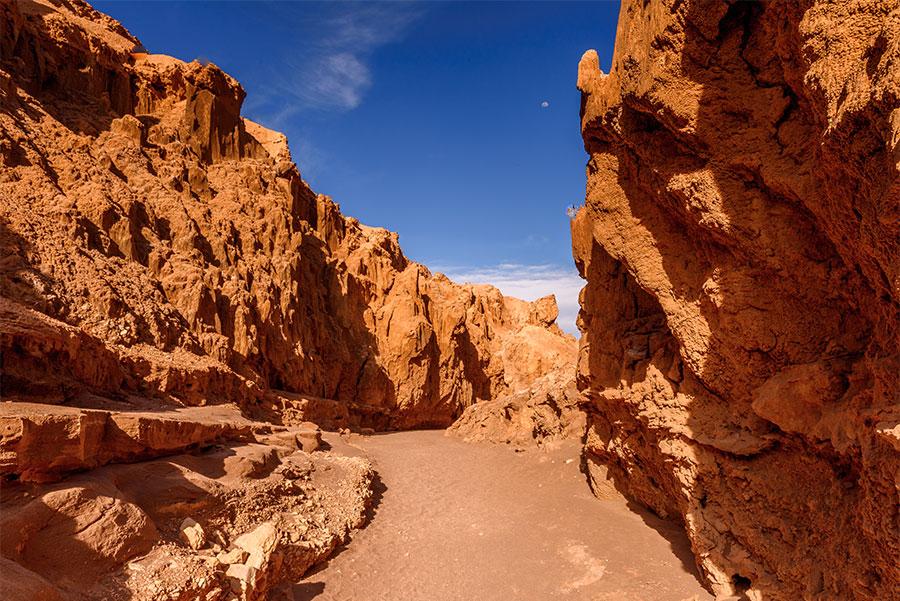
235	555
259	544
192	534
241	577
309	437
129	127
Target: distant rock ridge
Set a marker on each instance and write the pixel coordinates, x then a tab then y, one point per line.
155	243
741	243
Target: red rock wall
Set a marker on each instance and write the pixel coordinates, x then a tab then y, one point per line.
156	243
741	242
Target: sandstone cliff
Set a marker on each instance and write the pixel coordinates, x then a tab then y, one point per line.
155	243
741	242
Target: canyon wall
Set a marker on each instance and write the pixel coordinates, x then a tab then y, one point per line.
155	243
741	243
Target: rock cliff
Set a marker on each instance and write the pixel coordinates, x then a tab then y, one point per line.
155	243
741	243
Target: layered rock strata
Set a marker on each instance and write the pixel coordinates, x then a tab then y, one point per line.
741	243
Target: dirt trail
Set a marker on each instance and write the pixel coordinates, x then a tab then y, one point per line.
470	521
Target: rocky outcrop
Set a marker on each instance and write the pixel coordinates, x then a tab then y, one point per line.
155	243
233	522
541	407
741	243
542	414
42	442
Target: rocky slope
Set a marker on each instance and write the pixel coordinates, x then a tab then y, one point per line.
156	243
252	508
543	415
741	242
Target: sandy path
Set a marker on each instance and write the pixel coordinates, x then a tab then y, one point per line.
461	521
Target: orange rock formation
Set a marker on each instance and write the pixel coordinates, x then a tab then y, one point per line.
175	303
741	242
156	243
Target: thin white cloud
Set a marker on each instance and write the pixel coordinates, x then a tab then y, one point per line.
332	70
330	81
528	282
367	26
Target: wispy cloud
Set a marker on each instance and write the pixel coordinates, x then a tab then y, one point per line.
342	80
528	282
330	66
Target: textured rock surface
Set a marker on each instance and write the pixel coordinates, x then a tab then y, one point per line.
741	242
542	405
42	442
175	305
183	527
542	414
156	243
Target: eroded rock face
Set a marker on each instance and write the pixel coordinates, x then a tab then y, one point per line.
741	242
156	243
542	414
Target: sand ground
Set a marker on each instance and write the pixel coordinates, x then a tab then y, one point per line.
475	521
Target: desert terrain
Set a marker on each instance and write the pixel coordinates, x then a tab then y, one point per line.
217	386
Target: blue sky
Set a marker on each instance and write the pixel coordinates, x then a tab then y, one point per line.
453	123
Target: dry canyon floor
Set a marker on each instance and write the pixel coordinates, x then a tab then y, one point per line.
479	521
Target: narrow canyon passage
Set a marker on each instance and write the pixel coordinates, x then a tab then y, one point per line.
476	521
